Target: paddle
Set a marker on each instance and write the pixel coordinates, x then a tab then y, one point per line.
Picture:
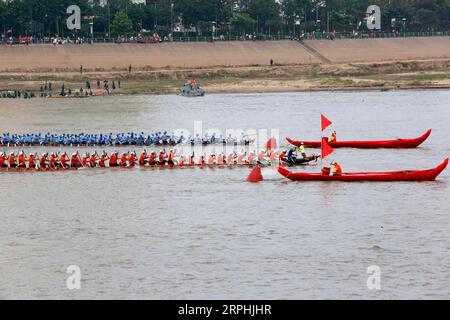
79	160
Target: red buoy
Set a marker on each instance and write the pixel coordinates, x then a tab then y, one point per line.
255	175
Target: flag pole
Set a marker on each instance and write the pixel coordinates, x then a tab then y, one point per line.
325	123
321	143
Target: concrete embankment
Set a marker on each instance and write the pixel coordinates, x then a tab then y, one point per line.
162	55
226	54
368	50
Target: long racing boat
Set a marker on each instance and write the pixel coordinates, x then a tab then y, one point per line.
167	166
404	175
370	144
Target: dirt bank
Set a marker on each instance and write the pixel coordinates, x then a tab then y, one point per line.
355	76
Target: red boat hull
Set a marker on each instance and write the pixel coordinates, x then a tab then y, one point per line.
174	166
394	144
406	175
37	170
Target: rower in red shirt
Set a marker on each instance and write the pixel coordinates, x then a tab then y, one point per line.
12	160
63	160
162	158
220	159
143	158
201	160
123	160
75	161
103	158
52	162
170	158
132	159
113	159
93	160
43	160
229	159
21	160
32	161
240	159
152	159
211	159
84	160
2	160
261	156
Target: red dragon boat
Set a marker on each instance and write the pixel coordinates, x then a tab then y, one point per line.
404	175
371	144
167	166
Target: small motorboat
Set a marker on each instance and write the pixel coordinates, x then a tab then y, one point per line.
192	89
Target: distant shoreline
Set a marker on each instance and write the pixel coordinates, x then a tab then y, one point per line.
384	76
231	67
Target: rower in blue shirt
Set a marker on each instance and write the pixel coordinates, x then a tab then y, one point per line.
140	139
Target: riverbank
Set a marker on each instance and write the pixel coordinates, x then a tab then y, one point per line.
250	79
230	67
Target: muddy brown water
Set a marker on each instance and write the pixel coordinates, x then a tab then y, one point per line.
206	233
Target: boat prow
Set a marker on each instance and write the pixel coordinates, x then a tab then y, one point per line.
440	168
404	175
413	143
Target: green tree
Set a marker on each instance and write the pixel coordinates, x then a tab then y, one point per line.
195	13
137	15
426	18
242	22
48	17
160	16
201	13
3	9
43	17
121	25
265	12
3	12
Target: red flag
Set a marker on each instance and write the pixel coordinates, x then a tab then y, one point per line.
271	144
326	148
325	122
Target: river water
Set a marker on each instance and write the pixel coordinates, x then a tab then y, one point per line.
206	233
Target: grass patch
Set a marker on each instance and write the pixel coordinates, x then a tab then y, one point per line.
315	76
337	82
431	77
